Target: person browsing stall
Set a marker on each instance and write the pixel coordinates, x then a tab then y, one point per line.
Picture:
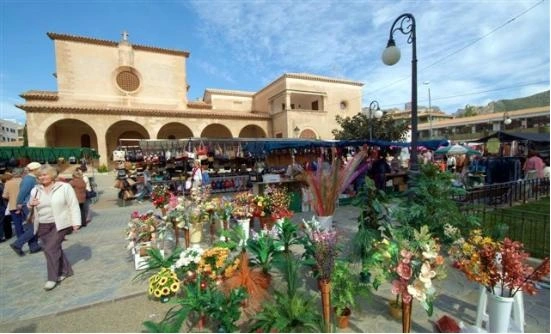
56	214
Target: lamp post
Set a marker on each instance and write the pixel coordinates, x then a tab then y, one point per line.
507	119
391	55
374	105
430	110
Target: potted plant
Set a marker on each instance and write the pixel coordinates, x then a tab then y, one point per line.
326	184
500	266
345	289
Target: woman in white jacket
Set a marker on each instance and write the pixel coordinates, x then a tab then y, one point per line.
56	214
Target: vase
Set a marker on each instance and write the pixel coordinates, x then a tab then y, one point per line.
343	318
499	313
195	233
202	321
325	289
245	224
266	223
406	316
326	222
394	309
163	211
186	237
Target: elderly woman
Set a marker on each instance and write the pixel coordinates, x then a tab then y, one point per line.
56	213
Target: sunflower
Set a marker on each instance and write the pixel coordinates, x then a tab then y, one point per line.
163	281
151	290
157	293
165	291
175	287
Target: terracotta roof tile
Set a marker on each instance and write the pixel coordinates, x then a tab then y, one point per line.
39	95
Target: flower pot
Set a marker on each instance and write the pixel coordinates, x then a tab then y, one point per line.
266	223
325	288
406	316
343	318
499	313
395	309
195	233
326	222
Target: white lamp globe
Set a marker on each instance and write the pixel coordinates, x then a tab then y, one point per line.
507	121
378	113
391	55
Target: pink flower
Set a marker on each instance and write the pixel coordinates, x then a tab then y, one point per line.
404	270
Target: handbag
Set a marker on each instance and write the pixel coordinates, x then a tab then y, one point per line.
91	194
30	216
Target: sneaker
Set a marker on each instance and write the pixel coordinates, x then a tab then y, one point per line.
17	250
61	278
49	285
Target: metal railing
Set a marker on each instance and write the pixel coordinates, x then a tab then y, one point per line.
506	194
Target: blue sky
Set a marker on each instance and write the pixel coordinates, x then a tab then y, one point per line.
471	52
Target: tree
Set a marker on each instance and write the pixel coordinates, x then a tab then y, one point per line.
358	126
469	111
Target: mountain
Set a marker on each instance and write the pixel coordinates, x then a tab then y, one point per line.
536	100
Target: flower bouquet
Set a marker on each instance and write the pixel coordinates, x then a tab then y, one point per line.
164	284
141	228
327	184
500	266
243	205
160	196
321	246
216	263
280	203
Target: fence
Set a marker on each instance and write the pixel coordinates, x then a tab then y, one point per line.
506	194
494	204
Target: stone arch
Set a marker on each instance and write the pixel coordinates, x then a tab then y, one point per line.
70	133
123	130
252	131
308	134
216	131
174	130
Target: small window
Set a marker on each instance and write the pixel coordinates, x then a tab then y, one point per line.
283	106
315	105
292	106
344	105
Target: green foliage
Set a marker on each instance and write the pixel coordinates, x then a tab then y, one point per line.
428	201
373	220
536	100
103	169
358	127
232	238
345	287
201	298
288	234
263	247
469	111
288	312
157	261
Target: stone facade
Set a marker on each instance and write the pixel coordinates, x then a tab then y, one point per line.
108	91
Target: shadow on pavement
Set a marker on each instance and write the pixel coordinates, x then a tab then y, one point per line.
77	252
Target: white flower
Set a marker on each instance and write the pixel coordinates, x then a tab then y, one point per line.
426	275
429	253
417	291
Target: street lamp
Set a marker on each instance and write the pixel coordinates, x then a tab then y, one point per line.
506	119
391	55
430	110
373	106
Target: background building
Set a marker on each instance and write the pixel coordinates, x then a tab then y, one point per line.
11	133
108	91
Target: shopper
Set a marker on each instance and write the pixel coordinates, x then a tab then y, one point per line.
21	212
86	179
3	206
533	166
379	169
79	186
56	214
147	188
11	190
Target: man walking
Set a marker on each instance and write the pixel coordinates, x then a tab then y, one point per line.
21	211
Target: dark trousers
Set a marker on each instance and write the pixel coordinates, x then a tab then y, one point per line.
82	207
56	261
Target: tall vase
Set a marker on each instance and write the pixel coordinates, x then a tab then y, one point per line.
186	237
326	222
325	288
245	224
195	233
499	313
406	316
163	211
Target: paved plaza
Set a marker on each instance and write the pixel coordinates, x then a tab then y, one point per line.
104	272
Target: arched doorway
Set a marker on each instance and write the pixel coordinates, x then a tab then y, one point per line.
174	131
130	132
216	131
70	133
252	131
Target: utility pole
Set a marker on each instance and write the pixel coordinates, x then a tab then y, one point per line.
430	110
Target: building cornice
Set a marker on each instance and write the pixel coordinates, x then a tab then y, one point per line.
306	76
96	41
199	105
40	95
229	92
102	110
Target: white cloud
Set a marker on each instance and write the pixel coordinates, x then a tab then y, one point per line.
346	38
